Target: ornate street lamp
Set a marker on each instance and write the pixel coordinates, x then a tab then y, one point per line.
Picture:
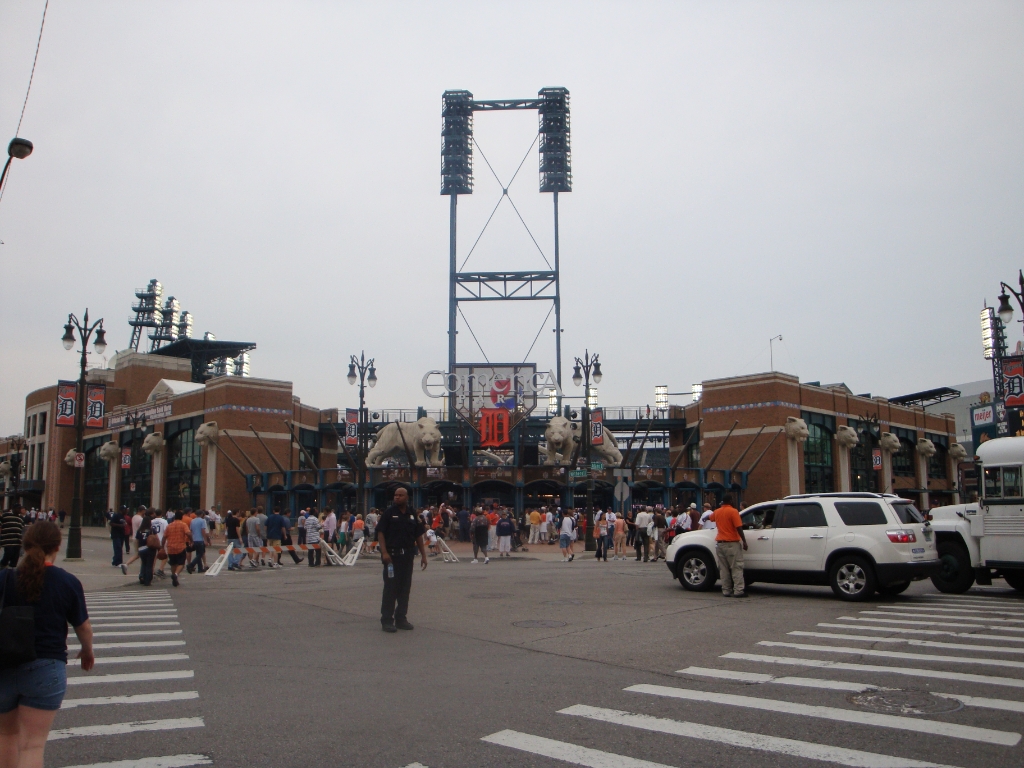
360	369
85	333
584	370
18	148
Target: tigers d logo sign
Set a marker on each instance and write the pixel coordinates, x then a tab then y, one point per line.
494	427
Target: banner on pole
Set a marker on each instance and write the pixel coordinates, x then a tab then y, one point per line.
1013	381
67	395
95	405
351	426
126	458
597	427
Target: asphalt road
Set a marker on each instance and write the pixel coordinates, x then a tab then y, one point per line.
289	667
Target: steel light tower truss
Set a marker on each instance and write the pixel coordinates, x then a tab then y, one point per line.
552	105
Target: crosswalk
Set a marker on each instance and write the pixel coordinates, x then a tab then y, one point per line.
134	628
939	670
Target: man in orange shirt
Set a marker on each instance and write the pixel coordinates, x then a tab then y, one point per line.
177	537
728	541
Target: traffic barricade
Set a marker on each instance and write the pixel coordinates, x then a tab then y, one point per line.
231	549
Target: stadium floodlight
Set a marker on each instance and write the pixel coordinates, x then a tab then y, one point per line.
989	332
697	391
661	397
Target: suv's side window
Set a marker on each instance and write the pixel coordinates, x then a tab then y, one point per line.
861	513
801	516
758	517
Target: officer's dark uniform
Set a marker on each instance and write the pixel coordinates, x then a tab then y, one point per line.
401	530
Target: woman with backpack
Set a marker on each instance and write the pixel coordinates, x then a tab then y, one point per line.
33	673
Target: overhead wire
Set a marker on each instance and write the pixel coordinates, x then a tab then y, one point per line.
539	331
478	346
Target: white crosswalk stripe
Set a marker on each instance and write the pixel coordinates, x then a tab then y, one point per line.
942	610
932	632
877	617
908	641
123	616
567	753
169	761
893	654
946	616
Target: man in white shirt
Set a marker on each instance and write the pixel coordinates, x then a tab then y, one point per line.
565	538
158	525
706	524
643	538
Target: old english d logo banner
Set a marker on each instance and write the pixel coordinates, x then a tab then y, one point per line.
351	426
95	406
67	394
597	427
1013	381
126	458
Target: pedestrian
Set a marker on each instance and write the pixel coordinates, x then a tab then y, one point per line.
481	535
302	525
601	535
32	691
275	534
253	537
158	525
261	515
707	519
232	536
286	540
149	545
492	540
642	540
619	538
177	537
313	526
609	537
694	514
200	531
504	531
358	530
60	516
567	531
547	533
371	529
660	528
463	516
730	544
331	530
116	521
398	532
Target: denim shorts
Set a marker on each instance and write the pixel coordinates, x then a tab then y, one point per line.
564	541
38	684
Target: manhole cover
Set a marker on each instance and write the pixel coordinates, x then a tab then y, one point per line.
564	601
905	702
489	595
538	624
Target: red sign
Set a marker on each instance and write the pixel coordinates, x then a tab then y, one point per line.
1013	382
351	426
79	460
597	427
67	395
126	458
876	459
95	405
494	427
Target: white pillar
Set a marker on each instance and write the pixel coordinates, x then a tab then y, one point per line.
843	454
793	455
955	477
886	472
922	471
156	483
114	483
211	476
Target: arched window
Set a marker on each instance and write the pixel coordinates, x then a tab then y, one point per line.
863	475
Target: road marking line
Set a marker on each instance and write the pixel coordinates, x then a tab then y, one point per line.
138	698
972	597
880	620
130	659
131	677
109	624
1008	705
147	644
170	761
933	727
757	677
939	616
943	611
568	753
138	632
894	654
793	747
153	612
910	641
115	729
904	631
966	677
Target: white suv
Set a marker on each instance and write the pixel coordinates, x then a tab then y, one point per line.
856	543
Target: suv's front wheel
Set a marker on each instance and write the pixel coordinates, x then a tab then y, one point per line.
852	578
696	570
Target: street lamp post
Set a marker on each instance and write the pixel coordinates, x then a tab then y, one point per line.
367	374
18	148
85	332
1005	310
582	372
11	468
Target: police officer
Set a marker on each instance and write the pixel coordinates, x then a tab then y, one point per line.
399	530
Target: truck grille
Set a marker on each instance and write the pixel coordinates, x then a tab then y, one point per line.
1004	526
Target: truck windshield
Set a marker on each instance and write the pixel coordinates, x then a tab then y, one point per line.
907	512
1003	483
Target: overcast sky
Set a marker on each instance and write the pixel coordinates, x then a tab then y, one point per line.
848	175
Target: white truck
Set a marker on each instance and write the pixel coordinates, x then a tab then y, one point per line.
985	540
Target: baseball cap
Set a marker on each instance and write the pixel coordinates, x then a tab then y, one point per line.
693	505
